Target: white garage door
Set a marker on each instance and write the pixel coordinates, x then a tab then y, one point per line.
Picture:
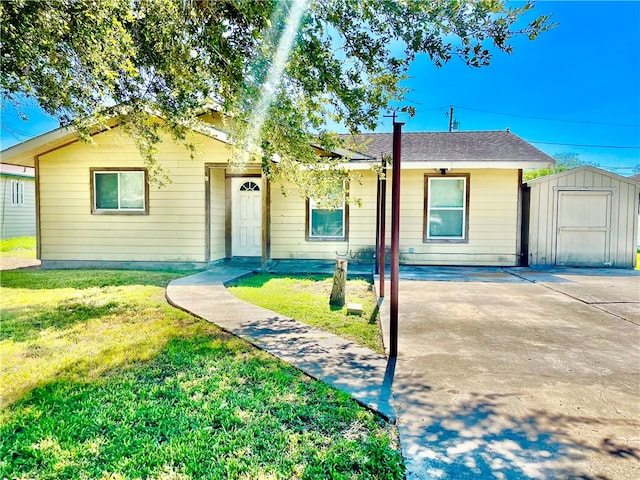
584	221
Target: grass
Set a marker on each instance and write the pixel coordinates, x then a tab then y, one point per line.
306	299
101	378
22	247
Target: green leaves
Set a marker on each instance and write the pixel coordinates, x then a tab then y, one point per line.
84	58
564	161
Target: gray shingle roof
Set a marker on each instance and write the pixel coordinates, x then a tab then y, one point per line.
486	146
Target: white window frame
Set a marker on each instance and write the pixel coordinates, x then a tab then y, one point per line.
119	210
464	209
17	193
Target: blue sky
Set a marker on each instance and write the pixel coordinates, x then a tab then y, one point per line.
578	84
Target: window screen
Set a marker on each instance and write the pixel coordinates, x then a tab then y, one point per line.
446	208
327	223
119	191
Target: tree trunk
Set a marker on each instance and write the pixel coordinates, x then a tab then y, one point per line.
338	292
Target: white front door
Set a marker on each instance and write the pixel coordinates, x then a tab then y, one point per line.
246	217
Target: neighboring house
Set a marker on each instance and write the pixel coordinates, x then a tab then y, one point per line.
460	202
583	217
17	201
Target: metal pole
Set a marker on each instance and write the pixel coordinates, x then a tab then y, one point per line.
450	118
376	267
395	237
382	255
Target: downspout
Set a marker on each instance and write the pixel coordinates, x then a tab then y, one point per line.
383	225
524	227
36	164
376	266
207	214
519	221
264	251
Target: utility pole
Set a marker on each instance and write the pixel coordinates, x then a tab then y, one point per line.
450	117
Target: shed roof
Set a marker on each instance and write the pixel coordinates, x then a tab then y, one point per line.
573	171
492	149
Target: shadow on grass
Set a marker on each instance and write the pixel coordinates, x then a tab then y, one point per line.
258	280
82	279
26	323
373	318
204	407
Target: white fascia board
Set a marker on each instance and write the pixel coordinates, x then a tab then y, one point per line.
213	132
16	171
500	165
24	153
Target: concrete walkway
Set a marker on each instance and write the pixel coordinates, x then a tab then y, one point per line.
501	373
340	363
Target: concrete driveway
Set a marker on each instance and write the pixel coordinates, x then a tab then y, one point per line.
518	373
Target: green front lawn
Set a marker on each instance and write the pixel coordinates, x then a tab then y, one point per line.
101	378
306	299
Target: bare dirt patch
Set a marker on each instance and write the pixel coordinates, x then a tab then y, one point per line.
13	263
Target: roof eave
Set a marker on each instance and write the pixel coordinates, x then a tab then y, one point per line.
22	153
571	171
458	165
350	155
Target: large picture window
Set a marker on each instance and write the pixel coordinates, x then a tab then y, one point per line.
327	223
119	191
446	208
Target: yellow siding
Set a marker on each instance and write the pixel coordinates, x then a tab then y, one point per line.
493	223
174	229
288	221
217	183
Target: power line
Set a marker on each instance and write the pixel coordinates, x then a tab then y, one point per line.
549	118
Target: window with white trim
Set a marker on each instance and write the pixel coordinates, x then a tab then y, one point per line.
119	191
446	208
17	193
328	223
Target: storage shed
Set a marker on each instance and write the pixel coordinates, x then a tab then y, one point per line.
583	217
636	177
17	201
